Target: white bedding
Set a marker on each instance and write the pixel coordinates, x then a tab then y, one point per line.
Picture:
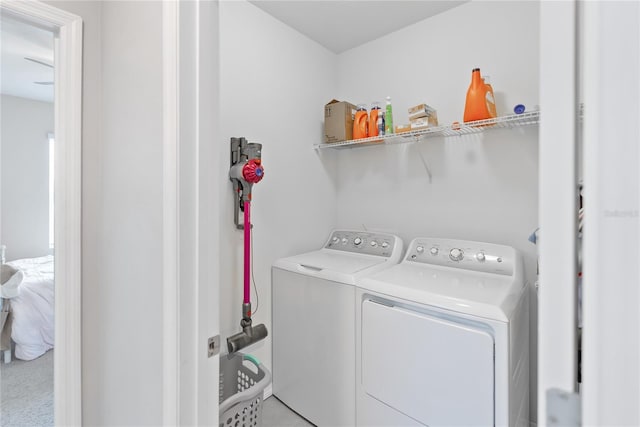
33	308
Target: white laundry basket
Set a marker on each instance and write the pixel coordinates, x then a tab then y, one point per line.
242	382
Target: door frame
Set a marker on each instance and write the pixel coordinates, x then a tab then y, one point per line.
192	180
67	369
557	295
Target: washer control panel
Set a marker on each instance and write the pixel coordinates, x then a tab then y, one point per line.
363	242
465	254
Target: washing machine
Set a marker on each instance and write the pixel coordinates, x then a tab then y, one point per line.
313	323
442	338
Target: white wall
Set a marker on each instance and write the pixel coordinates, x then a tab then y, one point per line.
274	83
482	187
121	211
132	212
24	196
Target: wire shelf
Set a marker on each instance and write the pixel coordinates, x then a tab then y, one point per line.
516	120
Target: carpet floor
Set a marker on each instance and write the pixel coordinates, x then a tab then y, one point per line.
26	392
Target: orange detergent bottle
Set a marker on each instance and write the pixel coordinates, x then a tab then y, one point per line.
477	105
373	119
361	122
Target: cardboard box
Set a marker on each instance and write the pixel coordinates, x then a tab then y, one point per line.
403	128
421	111
430	120
338	121
421	108
424	122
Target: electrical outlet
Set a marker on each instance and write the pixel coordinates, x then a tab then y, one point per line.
213	346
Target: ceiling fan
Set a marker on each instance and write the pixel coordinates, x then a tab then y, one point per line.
46	64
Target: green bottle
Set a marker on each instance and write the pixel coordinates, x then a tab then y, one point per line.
388	118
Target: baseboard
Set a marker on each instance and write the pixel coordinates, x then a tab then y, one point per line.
268	391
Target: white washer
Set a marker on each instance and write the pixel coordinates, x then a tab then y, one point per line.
313	306
442	338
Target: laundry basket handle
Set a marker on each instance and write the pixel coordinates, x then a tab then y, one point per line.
252	359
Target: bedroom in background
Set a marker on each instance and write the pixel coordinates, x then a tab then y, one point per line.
26	223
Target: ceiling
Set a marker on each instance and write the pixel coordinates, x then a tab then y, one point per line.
336	25
17	75
343	25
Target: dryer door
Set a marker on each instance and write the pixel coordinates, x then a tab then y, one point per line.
435	371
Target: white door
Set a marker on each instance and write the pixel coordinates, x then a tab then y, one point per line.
605	79
611	325
435	371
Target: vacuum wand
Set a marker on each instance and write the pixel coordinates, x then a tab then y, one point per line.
246	170
250	334
247	255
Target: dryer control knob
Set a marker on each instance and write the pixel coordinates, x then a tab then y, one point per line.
344	240
480	256
385	245
434	251
357	241
456	254
335	239
420	249
373	243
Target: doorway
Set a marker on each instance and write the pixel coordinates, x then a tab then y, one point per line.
40	157
26	222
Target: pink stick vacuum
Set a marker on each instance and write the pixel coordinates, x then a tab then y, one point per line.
246	170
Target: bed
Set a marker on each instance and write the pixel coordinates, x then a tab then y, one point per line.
27	301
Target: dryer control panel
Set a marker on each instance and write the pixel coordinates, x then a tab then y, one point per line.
465	254
364	242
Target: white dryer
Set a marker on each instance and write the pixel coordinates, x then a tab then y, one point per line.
442	338
313	330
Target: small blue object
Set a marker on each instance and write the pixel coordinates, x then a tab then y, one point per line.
518	109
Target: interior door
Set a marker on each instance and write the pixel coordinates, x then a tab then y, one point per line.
608	41
611	321
436	371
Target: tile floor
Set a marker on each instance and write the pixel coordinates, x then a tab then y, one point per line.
277	414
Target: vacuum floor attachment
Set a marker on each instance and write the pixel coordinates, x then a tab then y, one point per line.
249	335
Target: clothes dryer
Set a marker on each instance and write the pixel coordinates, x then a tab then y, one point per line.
313	306
442	338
